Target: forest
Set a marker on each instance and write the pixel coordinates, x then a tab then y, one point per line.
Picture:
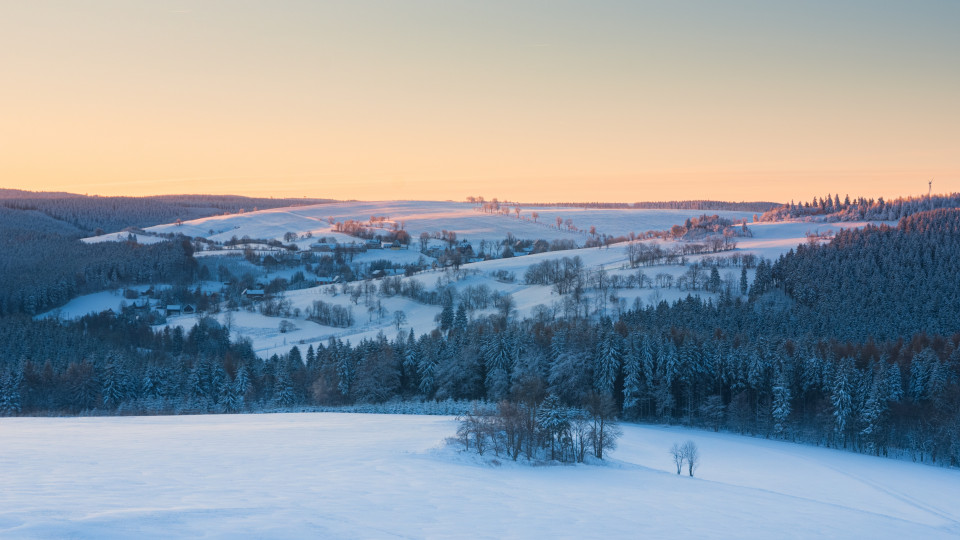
830	208
851	344
96	215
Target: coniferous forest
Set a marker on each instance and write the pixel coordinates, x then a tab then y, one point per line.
853	344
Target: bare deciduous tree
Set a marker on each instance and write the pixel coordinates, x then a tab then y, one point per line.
676	451
692	454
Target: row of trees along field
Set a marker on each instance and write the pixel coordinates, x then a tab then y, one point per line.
858	365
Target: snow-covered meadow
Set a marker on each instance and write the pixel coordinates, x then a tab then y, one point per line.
434	216
330	475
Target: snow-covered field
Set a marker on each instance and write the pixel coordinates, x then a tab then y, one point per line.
327	475
434	216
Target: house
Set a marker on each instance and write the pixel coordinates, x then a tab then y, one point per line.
374	244
327	280
189	309
254	294
173	309
322	247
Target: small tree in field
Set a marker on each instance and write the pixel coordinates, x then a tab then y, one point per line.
692	454
676	451
399	318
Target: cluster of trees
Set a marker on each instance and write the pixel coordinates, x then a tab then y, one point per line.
566	275
545	429
331	314
830	208
364	230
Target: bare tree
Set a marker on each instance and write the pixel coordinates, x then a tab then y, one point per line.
692	454
535	216
604	432
399	318
676	451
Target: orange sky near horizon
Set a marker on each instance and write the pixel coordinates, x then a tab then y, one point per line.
524	100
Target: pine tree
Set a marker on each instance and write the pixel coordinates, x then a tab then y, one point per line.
894	382
426	370
283	394
499	363
460	320
606	364
781	403
344	366
241	384
871	417
114	383
633	384
713	284
841	399
446	317
10	392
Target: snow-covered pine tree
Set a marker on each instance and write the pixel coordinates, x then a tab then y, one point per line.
841	399
633	379
283	395
606	362
781	403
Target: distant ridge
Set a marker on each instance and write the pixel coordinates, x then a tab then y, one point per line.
752	206
90	213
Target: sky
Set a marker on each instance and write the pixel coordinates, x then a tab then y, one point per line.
523	100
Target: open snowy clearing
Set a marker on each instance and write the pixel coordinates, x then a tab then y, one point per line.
328	475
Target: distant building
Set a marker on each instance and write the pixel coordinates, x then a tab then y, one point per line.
254	294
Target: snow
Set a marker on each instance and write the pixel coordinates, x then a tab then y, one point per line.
769	240
329	475
123	237
96	303
433	216
772	239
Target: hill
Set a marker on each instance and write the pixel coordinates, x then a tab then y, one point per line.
386	476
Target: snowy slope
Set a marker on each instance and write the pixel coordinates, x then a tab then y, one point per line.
434	216
374	476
